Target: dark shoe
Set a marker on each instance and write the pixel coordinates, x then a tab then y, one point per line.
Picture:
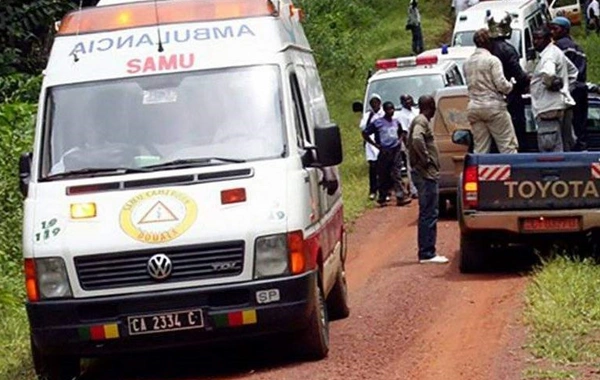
403	201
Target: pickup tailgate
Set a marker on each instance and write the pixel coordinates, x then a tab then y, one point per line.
536	181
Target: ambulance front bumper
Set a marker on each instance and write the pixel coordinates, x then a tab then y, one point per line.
191	316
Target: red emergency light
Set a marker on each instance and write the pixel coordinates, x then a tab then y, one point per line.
131	15
394	63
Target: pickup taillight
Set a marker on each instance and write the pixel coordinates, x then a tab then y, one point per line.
470	187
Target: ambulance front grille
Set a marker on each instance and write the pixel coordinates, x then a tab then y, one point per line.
127	269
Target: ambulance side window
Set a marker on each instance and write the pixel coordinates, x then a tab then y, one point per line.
299	112
528	41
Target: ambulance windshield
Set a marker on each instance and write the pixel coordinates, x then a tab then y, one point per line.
234	115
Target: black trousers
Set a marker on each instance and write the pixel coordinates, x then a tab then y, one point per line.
389	173
372	177
580	111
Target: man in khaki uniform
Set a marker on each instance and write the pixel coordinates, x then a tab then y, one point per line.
424	158
487	110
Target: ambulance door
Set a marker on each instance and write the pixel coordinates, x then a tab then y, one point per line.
304	139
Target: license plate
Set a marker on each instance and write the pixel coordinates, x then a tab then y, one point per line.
157	323
566	224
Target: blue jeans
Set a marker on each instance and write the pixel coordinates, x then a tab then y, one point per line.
428	214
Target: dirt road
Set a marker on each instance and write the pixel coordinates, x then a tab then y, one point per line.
408	321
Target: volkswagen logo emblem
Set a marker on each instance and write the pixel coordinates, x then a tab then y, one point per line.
159	266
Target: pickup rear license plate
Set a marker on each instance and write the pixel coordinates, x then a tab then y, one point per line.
566	224
164	322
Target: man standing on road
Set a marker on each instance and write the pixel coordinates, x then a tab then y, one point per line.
500	32
388	139
405	116
560	28
424	157
487	111
371	152
413	23
550	95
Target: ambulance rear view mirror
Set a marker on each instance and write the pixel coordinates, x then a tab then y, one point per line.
357	107
463	137
328	142
24	172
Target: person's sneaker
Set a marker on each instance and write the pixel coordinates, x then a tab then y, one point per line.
403	201
388	198
437	259
372	196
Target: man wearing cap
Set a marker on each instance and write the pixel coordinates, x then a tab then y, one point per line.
500	31
561	27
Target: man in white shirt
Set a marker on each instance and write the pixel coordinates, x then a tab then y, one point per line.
405	116
550	96
371	152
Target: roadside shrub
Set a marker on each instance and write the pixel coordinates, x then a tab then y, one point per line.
20	88
16	136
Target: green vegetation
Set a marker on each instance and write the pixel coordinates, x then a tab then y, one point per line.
563	313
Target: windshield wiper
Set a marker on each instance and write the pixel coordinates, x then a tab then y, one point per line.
95	172
193	162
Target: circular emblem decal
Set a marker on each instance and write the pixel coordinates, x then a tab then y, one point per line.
158	216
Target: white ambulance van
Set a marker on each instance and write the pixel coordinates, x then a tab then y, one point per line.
183	185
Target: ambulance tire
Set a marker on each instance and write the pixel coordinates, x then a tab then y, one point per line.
54	367
474	253
337	301
314	340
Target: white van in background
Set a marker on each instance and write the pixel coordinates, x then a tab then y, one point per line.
570	9
527	15
183	184
457	54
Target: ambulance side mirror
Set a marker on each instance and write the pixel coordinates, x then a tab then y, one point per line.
328	144
357	107
24	172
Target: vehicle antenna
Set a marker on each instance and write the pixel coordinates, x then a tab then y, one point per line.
75	57
160	46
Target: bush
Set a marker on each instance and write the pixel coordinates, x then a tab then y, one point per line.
20	88
16	136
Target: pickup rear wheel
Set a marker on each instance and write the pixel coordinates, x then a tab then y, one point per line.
54	367
314	341
474	253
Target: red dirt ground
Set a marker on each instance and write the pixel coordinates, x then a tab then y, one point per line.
408	321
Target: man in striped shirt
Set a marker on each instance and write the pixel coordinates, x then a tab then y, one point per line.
487	88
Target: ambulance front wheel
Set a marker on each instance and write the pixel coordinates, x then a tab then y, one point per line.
54	367
314	340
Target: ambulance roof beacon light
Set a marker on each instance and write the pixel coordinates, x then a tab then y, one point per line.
395	63
132	15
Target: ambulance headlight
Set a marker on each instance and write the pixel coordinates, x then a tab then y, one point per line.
53	280
271	256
